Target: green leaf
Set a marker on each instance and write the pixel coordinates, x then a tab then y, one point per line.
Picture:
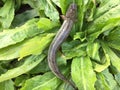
12	52
90	10
57	2
7	85
35	45
73	49
110	80
60	59
101	67
13	36
50	11
83	7
105	5
81	13
28	30
101	83
113	38
106	81
115	60
107	21
36	4
7	14
30	46
20	19
65	86
29	64
83	74
46	81
43	66
40	68
93	50
47	24
18	4
20	80
64	5
80	35
117	78
46	5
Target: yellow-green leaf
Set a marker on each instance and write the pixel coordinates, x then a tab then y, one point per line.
83	74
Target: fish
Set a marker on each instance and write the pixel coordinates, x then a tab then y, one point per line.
62	34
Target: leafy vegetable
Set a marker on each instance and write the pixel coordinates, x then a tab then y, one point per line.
29	63
7	85
46	81
7	14
89	57
82	71
30	29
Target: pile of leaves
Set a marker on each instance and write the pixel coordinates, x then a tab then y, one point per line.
90	56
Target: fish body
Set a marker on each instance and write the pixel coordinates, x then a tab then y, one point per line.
61	35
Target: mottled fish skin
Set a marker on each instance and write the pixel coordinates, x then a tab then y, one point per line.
62	34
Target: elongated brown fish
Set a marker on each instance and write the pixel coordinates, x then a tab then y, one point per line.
62	34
